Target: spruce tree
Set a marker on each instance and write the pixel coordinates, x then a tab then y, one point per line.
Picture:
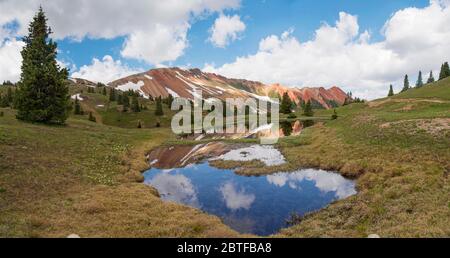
135	104
159	108
419	82
112	95
308	111
446	70
104	91
119	99
126	102
441	73
77	107
431	78
286	104
42	95
391	91
170	100
405	84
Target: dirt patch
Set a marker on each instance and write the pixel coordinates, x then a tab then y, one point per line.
432	126
408	107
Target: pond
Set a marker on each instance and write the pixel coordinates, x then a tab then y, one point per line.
256	205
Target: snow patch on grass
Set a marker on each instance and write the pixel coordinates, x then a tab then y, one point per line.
77	96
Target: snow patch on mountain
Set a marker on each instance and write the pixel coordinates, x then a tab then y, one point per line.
133	86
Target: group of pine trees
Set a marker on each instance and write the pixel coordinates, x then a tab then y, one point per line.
287	106
444	73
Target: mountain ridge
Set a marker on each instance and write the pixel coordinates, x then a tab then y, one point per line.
185	83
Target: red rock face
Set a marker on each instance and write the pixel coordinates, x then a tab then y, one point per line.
184	83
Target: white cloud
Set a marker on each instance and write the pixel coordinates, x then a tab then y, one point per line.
225	30
415	39
155	30
105	70
10	60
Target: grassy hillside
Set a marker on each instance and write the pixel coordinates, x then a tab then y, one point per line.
438	90
398	149
85	178
110	113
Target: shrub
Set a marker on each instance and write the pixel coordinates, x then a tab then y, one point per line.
334	116
292	116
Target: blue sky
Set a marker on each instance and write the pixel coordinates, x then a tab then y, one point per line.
360	46
262	18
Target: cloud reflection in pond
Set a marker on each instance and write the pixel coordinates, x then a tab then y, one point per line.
176	188
236	199
324	181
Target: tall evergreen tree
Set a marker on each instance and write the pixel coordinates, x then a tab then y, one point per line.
135	107
126	102
419	82
112	94
286	104
391	91
169	100
77	107
42	95
405	84
104	91
119	98
441	73
431	78
308	111
446	70
159	108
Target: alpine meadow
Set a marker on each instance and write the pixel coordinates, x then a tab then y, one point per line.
356	104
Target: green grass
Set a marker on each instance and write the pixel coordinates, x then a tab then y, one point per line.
399	159
436	90
85	178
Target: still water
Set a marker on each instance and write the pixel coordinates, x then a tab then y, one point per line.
257	205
